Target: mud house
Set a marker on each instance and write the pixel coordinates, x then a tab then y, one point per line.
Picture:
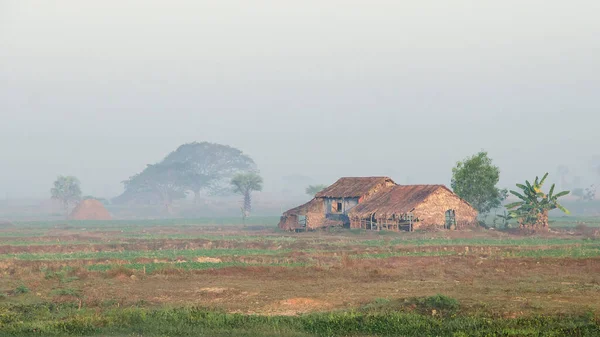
377	203
413	206
330	207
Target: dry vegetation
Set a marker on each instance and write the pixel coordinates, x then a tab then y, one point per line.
263	271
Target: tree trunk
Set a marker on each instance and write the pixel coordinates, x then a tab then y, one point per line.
197	197
66	208
521	222
247	203
544	219
166	198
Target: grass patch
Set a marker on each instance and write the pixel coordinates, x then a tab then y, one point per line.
184	266
268	221
386	255
66	292
134	254
60	320
526	241
577	251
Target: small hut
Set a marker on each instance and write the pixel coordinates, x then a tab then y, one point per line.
304	217
410	207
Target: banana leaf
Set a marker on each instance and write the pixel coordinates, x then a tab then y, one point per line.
514	204
543	179
551	191
566	211
521	186
520	196
529	187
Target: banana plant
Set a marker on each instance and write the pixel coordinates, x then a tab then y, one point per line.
506	217
532	209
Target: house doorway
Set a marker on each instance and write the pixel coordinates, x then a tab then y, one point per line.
450	219
302	220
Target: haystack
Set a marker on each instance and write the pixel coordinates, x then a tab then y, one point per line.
90	209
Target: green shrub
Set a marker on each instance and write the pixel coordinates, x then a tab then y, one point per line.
7	316
443	305
78	325
21	289
66	292
440	303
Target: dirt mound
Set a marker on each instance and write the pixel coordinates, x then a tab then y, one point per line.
295	306
204	259
300	302
90	209
214	290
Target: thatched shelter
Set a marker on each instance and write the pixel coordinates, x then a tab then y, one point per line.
413	206
355	187
307	216
330	207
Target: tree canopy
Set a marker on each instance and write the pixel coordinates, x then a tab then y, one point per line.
191	167
208	166
162	180
67	190
245	184
474	179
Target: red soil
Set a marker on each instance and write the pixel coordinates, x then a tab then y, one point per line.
90	209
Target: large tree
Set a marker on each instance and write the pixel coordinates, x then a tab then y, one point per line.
532	210
191	167
245	184
474	179
67	190
163	181
208	166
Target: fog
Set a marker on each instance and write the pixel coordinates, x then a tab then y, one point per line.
314	88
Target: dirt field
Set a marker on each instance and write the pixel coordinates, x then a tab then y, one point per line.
260	270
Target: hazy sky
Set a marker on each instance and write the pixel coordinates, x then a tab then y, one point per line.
328	88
